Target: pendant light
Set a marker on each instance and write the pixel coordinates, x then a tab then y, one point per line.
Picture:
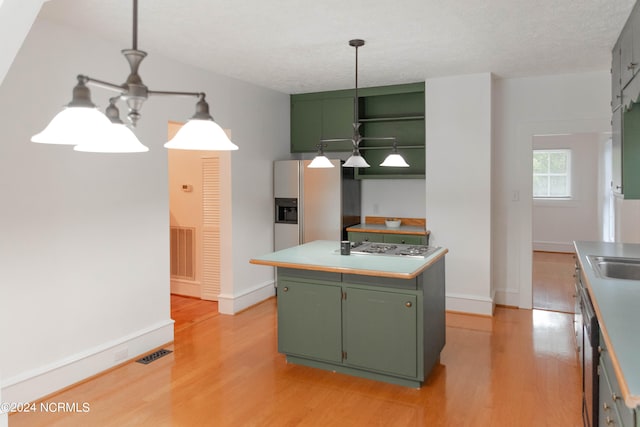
356	160
320	160
81	124
395	159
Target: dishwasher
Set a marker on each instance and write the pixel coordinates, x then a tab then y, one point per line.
589	355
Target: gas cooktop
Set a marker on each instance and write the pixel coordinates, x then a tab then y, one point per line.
392	249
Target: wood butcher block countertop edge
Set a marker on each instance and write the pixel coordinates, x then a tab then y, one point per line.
382	229
429	261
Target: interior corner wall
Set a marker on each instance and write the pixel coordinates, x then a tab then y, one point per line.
458	185
85	237
16	18
524	107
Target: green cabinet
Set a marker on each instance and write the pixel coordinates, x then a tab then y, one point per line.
380	331
385	111
387	329
315	117
408	239
612	409
310	321
625	122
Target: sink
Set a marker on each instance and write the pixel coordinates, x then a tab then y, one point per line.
608	267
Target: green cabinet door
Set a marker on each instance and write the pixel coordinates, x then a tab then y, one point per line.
380	331
337	122
310	320
306	125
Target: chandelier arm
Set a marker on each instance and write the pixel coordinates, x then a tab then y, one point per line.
101	83
379	138
386	148
336	140
172	93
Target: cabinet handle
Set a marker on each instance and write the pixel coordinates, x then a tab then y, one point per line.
605	406
285	289
614	396
632	65
609	420
403	241
408	304
600	350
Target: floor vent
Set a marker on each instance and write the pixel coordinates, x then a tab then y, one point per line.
153	356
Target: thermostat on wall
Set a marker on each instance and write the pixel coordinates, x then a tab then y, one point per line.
187	188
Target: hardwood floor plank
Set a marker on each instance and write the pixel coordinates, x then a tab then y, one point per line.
520	369
552	281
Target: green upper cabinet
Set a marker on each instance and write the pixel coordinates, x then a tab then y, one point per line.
384	111
317	116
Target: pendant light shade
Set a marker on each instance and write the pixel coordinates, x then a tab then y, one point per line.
356	161
395	160
120	139
319	162
73	126
201	132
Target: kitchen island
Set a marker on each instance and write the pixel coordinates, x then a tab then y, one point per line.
616	304
374	316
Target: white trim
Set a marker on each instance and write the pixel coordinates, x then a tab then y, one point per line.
186	288
231	304
470	304
553	247
37	383
507	297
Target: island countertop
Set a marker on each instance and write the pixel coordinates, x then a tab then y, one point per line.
616	304
324	255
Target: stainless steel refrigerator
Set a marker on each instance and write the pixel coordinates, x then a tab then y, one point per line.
313	204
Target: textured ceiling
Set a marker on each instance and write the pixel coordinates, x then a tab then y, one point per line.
296	46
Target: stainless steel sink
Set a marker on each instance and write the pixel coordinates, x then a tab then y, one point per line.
608	267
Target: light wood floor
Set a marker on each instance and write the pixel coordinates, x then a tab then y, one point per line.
518	368
553	282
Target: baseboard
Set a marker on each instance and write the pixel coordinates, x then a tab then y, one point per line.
470	304
186	288
553	247
507	297
40	382
232	304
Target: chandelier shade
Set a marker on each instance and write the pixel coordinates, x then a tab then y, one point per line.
119	139
201	134
73	126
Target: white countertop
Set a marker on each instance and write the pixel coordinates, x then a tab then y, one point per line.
324	255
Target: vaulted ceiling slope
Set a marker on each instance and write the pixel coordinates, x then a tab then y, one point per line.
296	46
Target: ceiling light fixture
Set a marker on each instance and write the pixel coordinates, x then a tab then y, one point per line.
81	124
320	160
356	160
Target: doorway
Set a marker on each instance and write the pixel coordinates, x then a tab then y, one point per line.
199	204
564	213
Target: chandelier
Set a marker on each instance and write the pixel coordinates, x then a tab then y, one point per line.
82	125
356	160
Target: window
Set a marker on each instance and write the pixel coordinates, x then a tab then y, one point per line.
551	173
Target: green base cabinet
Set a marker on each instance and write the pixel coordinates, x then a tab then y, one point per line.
385	329
612	409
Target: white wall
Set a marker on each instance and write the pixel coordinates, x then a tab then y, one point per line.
458	185
85	239
16	17
393	198
557	223
572	103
